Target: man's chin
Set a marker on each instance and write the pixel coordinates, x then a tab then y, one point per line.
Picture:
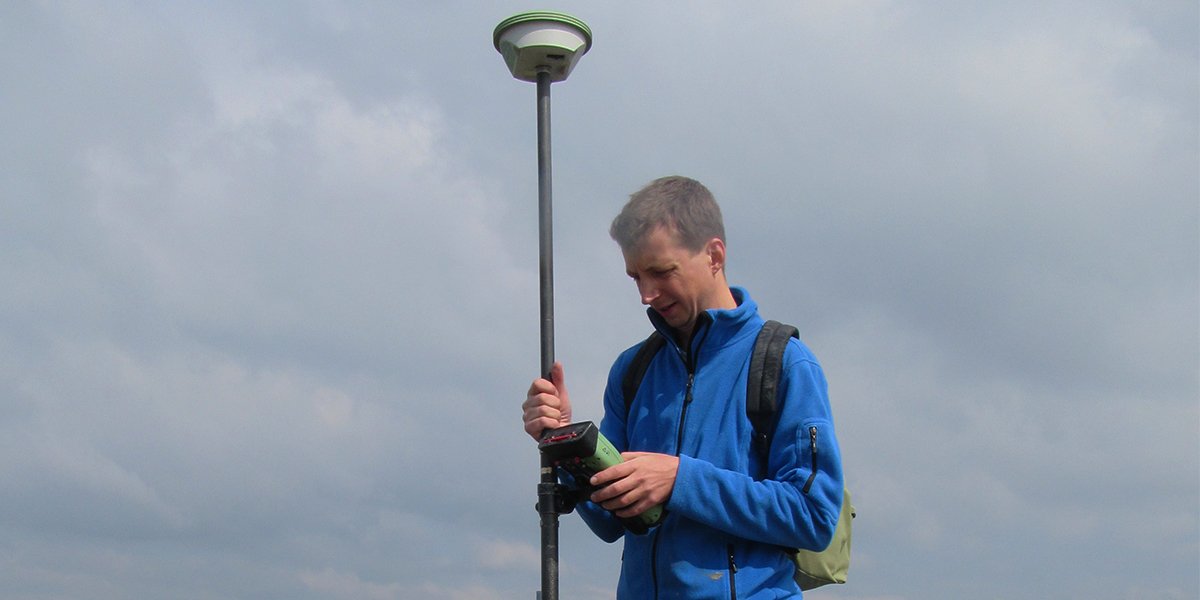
676	320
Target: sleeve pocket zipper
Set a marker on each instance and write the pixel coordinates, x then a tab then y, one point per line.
812	440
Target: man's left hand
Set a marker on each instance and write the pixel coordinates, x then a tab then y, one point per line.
644	480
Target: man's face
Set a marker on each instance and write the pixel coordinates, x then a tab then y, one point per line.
677	283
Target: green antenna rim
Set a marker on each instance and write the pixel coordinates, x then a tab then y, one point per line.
543	15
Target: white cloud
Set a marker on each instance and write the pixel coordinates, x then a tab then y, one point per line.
499	554
336	584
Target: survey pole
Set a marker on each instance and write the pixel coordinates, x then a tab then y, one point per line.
543	47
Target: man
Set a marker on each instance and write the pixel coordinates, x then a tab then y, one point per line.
685	437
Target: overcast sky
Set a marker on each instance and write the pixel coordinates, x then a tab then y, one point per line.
268	284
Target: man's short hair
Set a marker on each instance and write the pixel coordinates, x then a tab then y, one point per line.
681	204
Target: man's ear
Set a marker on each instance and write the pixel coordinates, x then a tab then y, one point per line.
715	249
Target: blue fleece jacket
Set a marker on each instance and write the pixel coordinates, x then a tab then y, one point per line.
729	519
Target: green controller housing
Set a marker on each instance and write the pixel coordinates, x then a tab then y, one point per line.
581	450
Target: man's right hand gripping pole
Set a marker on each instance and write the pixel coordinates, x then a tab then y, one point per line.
547	405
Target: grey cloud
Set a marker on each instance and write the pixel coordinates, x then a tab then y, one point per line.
269	300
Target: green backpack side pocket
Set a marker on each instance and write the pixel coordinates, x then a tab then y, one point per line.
815	569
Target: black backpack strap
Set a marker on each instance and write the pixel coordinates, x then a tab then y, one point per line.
637	368
762	383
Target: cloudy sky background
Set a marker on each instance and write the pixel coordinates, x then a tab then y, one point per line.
268	288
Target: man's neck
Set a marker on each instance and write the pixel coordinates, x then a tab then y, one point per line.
722	299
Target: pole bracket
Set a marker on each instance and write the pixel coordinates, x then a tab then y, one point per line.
557	499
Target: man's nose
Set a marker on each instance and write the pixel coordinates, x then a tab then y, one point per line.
648	292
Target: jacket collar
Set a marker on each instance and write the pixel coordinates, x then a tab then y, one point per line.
718	327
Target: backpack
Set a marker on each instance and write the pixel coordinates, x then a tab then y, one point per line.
813	569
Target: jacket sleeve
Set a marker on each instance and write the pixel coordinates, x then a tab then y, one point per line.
600	521
798	503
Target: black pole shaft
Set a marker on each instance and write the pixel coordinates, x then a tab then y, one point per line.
545	224
549	512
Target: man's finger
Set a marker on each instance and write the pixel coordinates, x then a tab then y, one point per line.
633	510
541	411
617	501
613	473
541	386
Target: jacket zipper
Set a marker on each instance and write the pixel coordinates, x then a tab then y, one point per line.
687	400
654	562
689	363
732	575
812	441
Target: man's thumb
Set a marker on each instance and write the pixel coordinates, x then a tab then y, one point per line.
557	378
